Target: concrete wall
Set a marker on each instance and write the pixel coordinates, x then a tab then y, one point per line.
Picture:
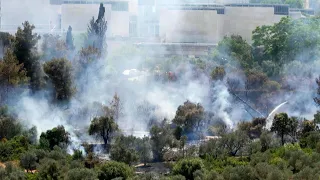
38	12
189	26
119	24
243	20
206	26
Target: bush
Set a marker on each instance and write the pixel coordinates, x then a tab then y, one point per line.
186	167
28	161
82	174
49	169
239	173
113	169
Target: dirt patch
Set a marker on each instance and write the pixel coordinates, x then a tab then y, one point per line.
2	165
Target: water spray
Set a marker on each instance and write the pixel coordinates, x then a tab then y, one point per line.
270	116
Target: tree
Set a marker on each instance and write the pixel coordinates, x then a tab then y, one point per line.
186	167
11	73
161	138
295	3
32	134
58	136
317	99
69	39
265	141
9	126
234	49
81	174
306	127
289	40
87	56
50	169
6	41
317	117
234	142
53	47
254	128
144	150
103	127
283	125
124	150
238	173
254	84
115	109
218	73
28	161
96	33
113	169
190	117
213	148
25	46
60	73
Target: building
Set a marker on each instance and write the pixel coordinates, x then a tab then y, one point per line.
173	26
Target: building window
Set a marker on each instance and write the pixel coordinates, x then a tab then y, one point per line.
281	9
220	11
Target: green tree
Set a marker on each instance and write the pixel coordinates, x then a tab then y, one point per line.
145	150
58	136
235	49
317	99
161	138
190	117
288	40
213	148
234	141
283	125
10	172
317	117
103	127
28	161
186	167
9	126
60	73
11	74
306	126
265	140
254	84
218	73
239	173
81	174
124	150
50	169
113	169
25	48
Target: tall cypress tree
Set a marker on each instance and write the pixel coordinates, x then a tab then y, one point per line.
96	32
317	99
69	39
